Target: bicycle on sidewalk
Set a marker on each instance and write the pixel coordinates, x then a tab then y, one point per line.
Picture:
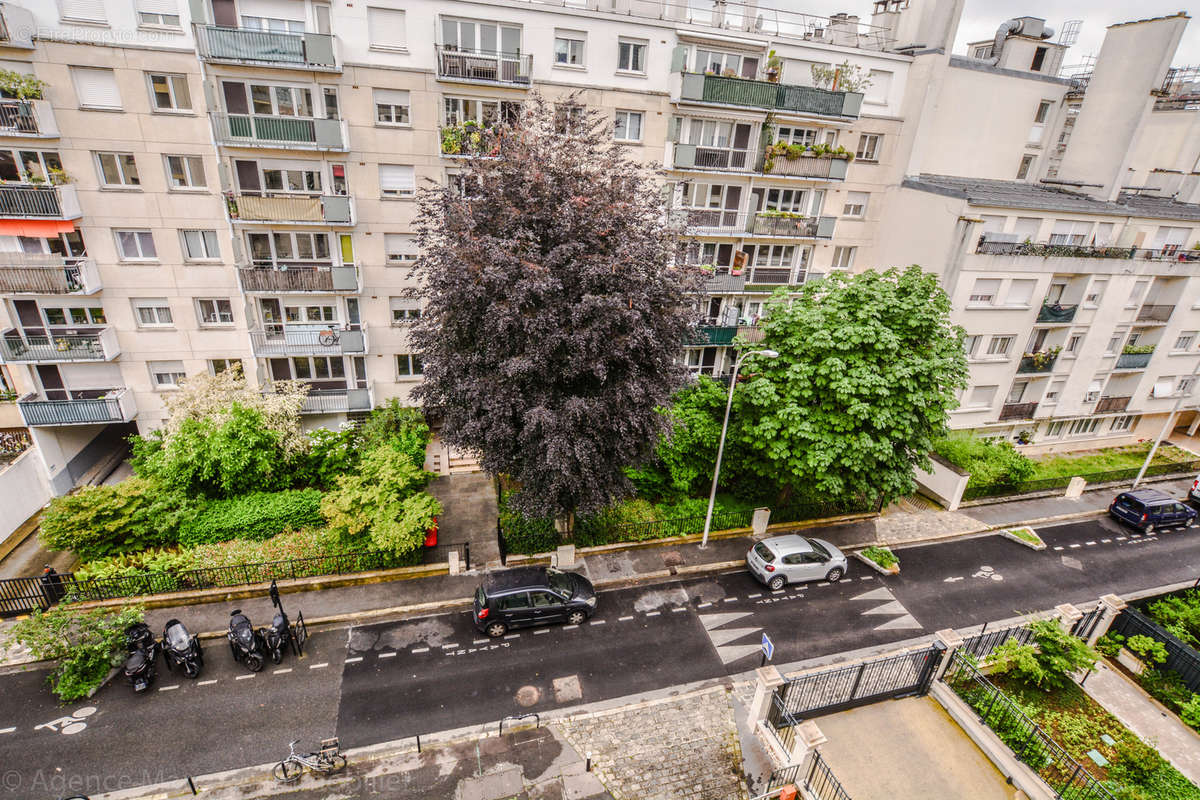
329	760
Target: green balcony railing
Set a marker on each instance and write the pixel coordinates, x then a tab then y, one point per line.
717	335
764	94
258	130
1037	363
1056	312
246	45
1133	360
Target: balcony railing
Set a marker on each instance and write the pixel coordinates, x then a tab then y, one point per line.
327	209
484	66
718	221
291	340
725	282
266	48
1057	313
83	407
808	167
96	345
1154	313
771	96
30	273
725	159
335	401
762	224
31	201
1017	411
995	248
1112	404
1035	364
716	335
1133	360
33	118
281	133
469	140
773	276
298	278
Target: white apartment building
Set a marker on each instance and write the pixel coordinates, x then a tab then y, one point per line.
214	182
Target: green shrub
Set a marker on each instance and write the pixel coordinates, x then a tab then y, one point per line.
988	461
1048	661
86	644
1179	614
1166	687
403	427
526	535
1150	651
1110	644
329	455
881	556
105	520
259	515
1189	712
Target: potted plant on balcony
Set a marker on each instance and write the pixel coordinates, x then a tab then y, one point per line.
20	86
1042	359
59	176
1137	349
774	67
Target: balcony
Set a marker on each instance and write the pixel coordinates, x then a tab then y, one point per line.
336	401
78	407
807	167
32	119
99	344
769	278
721	90
1133	360
291	340
1154	313
1017	411
298	278
724	282
1038	362
1056	313
292	209
764	223
1112	404
750	333
39	201
309	51
715	335
483	66
715	221
280	133
469	140
30	273
749	160
999	248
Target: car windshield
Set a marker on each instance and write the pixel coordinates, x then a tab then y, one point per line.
817	546
560	582
764	552
480	597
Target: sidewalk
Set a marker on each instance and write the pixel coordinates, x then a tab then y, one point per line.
1177	743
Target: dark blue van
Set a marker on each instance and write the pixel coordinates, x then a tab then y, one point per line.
1149	509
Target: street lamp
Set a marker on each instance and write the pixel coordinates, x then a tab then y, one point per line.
712	495
1166	430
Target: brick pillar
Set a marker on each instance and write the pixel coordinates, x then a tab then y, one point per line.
952	640
808	738
1112	606
767	680
1068	615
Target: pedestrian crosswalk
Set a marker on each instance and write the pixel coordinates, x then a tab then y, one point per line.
884	603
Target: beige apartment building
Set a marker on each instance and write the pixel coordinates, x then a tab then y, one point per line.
218	182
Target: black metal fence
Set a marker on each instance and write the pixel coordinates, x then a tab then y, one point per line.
1048	484
981	645
815	775
23	595
1182	659
1032	745
840	688
1086	625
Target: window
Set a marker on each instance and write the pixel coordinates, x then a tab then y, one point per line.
96	88
868	147
299	180
1016	392
1020	292
1120	424
486	112
1137	293
628	126
136	246
1084	426
405	310
200	245
631	56
982	396
1000	345
984	292
1185	385
269	249
1054	392
1073	342
1039	59
391	107
568	48
856	204
185	172
1113	344
273	24
568	118
386	28
400	248
408	365
1185	341
219	365
85	315
396	180
1095	293
1043	110
1170	239
214	311
159	13
117	170
166	374
1070	231
153	313
1026	165
971	345
309	314
170	92
1093	391
843	257
82	10
880	86
1055	429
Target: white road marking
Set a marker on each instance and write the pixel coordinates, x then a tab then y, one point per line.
540	632
509	636
653	613
1089	544
453	645
322	665
599	621
624	619
421	650
392	654
678	610
955	579
729	600
777	591
354	660
207	683
569	627
1102	541
7	730
244	677
704	605
823	583
168	688
1074	546
1058	547
752	596
480	641
283	671
866	577
1122	538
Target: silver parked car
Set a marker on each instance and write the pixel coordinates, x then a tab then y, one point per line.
793	559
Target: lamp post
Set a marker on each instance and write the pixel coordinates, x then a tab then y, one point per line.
1166	430
712	495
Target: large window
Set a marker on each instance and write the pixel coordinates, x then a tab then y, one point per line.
169	92
568	48
480	37
720	62
200	245
186	172
631	56
1000	345
152	312
214	311
117	170
628	126
868	147
486	112
408	365
397	180
301	248
392	107
136	245
843	257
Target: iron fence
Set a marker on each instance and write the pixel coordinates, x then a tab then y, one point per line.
1032	745
1182	659
840	688
1061	482
816	776
593	531
1086	625
982	644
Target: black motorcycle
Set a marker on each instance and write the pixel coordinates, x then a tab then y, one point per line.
244	642
278	637
181	649
143	652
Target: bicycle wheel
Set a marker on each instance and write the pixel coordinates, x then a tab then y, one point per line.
287	771
332	764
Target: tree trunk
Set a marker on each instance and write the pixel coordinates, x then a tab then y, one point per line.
565	525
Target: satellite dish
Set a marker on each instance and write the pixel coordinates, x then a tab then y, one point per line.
1070	32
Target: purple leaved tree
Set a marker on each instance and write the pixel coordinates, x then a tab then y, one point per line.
556	308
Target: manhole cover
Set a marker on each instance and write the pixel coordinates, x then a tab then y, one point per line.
672	558
528	696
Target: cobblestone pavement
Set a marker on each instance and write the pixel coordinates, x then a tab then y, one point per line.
684	746
899	527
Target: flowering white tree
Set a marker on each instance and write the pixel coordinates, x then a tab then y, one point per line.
211	397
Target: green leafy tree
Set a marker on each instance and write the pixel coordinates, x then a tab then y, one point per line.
1048	661
382	502
1180	614
101	521
868	369
213	398
86	643
687	451
988	461
393	422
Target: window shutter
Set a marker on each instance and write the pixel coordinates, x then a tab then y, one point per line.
386	27
84	10
679	58
97	88
1164	388
394	177
158	6
674	129
395	97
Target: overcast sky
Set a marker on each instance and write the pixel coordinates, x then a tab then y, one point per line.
982	17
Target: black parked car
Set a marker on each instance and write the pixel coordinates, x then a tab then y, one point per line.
1149	509
519	598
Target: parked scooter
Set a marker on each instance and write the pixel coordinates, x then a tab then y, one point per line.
244	642
181	649
143	652
278	637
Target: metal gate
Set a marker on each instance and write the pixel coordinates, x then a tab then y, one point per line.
1086	625
24	595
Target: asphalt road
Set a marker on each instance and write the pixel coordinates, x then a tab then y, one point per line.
387	681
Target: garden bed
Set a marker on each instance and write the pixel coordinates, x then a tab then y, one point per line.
1025	535
880	559
1084	462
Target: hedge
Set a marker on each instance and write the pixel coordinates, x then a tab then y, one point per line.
258	515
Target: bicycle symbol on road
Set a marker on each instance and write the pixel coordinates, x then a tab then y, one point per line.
69	725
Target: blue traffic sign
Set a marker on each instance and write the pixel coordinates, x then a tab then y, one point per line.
768	647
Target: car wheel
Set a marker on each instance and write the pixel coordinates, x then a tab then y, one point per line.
496	630
576	618
1148	529
834	575
776	583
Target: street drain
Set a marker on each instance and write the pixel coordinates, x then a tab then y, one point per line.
528	696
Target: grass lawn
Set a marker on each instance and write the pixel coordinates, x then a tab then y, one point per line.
1067	465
